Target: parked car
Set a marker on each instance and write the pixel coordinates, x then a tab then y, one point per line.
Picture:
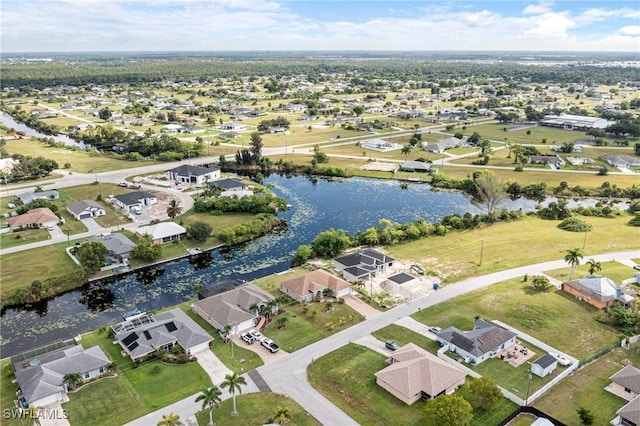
134	185
435	329
248	338
49	227
123	184
256	335
391	345
270	344
562	360
636	267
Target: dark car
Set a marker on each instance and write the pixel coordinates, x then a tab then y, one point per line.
391	345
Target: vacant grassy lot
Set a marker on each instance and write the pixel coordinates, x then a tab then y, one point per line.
553	317
13	239
585	388
135	392
614	270
258	408
346	378
34	264
508	245
402	336
552	135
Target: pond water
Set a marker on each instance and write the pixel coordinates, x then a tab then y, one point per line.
8	121
351	204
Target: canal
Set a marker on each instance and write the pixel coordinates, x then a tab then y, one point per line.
352	204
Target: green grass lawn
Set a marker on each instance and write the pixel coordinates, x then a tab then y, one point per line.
613	270
402	336
552	135
136	391
456	255
554	317
304	329
271	283
7	392
585	388
256	408
18	238
346	378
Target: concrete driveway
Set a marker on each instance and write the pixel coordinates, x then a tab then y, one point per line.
213	366
374	344
360	307
264	353
92	225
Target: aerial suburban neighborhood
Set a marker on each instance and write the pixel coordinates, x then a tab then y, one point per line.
320	236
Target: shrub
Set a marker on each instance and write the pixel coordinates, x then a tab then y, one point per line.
635	221
573	224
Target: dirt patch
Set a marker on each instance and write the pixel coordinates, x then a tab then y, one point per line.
159	210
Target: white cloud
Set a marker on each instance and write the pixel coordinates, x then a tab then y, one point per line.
537	9
630	31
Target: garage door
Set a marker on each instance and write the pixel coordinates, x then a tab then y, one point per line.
86	215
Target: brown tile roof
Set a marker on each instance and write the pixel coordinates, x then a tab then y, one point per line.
40	215
415	370
629	377
631	411
313	282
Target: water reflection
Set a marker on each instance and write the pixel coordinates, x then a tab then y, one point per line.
97	298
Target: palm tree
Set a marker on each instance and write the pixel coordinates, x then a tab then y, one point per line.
254	308
174	209
170	419
234	382
406	150
227	336
283	415
594	266
209	398
573	257
72	379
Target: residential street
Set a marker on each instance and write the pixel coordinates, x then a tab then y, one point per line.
288	375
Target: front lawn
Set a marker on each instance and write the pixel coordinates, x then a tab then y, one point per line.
585	388
7	392
256	408
18	238
402	336
554	317
346	378
303	329
136	391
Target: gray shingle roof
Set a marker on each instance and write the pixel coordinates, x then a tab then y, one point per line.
187	169
133	197
80	206
629	377
232	307
484	337
546	360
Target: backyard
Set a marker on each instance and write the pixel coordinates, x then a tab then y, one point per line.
554	317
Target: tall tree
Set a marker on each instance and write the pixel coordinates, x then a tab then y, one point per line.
573	257
489	191
209	398
486	393
594	266
256	147
92	255
146	250
406	150
234	382
171	419
174	209
448	410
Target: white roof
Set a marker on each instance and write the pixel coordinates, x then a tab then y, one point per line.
600	285
162	230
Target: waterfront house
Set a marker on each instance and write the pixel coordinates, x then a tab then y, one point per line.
238	307
86	209
162	232
40	375
362	265
146	334
313	284
118	245
415	166
479	344
416	374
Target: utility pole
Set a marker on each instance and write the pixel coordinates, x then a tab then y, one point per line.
584	243
481	251
526	401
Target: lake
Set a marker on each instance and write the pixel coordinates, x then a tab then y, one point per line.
352	204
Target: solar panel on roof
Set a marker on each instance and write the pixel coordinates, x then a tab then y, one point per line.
147	335
130	338
133	346
171	326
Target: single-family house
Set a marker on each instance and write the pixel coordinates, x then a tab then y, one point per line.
118	245
37	218
544	365
575	122
452	115
193	175
7	165
230	125
231	134
629	415
479	344
600	292
135	200
552	160
626	383
624	161
380	145
308	286
362	265
232	188
162	232
415	166
416	374
86	209
144	335
40	376
171	128
30	197
238	307
442	145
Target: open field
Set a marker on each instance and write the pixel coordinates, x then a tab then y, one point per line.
553	135
585	388
457	255
554	317
346	378
352	149
256	407
28	236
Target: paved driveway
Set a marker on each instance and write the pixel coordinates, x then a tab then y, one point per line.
262	352
213	366
92	225
360	307
53	416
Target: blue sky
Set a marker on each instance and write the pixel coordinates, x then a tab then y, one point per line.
160	25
